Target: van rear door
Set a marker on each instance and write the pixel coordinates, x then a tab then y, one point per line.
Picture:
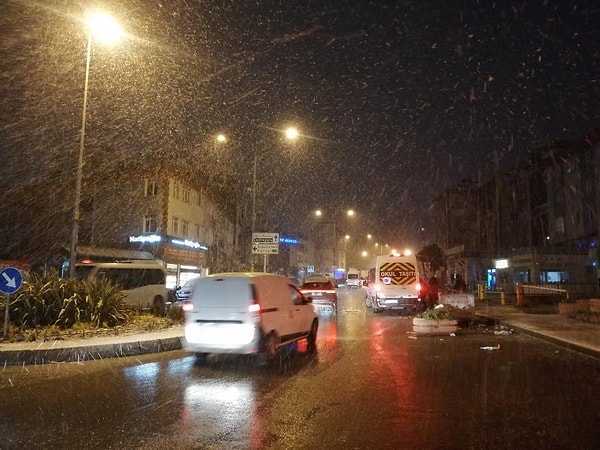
222	299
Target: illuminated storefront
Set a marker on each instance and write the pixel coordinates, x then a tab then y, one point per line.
184	258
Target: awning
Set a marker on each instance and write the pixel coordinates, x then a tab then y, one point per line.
116	254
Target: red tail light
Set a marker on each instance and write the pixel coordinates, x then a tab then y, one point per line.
254	307
187	306
418	287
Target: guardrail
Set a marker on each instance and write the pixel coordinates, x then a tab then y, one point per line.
530	290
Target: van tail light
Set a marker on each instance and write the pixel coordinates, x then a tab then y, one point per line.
254	307
187	306
418	287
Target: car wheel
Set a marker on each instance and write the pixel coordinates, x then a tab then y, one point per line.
312	337
158	306
270	346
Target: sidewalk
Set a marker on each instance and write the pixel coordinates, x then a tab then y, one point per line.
556	328
580	336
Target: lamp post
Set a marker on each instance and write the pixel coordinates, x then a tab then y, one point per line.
334	223
106	29
381	247
291	134
346	240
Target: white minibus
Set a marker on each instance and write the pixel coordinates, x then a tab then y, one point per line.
143	281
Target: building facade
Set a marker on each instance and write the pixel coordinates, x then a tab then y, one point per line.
537	224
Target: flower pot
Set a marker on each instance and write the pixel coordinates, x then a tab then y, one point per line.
567	308
432	327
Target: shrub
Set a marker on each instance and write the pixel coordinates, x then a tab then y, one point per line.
40	299
440	312
46	300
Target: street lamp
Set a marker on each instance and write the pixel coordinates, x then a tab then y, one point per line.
291	134
346	240
319	213
381	247
105	29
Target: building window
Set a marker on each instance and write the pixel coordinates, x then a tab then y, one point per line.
185	226
176	190
151	189
175	226
198	232
187	194
150	224
199	198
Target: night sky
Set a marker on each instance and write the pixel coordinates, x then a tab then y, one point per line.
395	100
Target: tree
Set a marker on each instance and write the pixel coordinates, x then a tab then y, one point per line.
434	255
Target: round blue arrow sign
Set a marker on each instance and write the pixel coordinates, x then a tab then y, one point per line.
10	280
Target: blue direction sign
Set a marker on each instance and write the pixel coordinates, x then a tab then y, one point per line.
10	280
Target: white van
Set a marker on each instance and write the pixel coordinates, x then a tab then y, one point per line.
143	281
353	279
394	283
246	313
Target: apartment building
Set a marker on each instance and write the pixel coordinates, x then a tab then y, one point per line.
176	220
535	224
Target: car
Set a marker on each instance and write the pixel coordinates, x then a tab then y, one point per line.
182	293
247	313
323	293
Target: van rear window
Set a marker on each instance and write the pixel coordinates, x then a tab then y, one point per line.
219	292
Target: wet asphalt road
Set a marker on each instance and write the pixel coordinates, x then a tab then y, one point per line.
371	385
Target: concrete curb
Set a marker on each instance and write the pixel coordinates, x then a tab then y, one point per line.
88	352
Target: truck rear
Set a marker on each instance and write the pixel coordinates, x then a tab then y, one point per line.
394	284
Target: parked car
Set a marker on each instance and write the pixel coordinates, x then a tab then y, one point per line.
244	313
323	293
184	292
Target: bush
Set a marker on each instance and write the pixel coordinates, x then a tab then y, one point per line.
47	300
440	312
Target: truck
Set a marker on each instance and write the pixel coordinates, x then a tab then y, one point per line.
394	283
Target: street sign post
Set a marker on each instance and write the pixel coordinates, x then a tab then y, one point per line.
10	282
265	243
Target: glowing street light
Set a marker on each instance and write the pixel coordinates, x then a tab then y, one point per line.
102	27
291	133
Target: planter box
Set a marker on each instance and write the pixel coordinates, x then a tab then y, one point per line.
567	308
433	327
583	305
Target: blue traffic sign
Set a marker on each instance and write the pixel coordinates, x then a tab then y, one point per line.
10	280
